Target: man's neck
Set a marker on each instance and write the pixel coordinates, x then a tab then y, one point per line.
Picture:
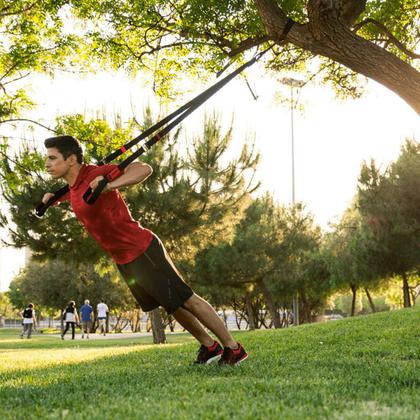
72	174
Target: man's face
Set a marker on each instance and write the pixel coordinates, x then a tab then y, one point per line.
55	163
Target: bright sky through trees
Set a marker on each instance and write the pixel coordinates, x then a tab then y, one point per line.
332	137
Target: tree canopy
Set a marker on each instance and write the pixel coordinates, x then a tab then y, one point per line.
373	38
186	200
54	283
273	254
390	202
376	39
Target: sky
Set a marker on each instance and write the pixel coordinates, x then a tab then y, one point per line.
332	137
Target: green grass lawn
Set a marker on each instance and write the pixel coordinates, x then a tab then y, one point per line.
367	367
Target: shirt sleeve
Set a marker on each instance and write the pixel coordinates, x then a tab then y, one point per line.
106	169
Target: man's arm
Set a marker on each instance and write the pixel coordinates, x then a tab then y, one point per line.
135	173
48	195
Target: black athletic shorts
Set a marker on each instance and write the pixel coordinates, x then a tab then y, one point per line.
154	280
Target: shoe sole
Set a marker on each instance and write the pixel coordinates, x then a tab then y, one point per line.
214	359
241	360
235	364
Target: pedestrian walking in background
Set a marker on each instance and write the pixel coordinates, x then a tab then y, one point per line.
102	309
71	318
28	320
86	312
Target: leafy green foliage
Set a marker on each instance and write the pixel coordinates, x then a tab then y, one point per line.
33	39
272	246
54	283
352	253
170	37
188	201
389	202
6	307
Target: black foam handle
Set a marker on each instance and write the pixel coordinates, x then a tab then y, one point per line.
41	208
90	196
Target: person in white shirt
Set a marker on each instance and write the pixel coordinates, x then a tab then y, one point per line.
28	320
71	318
102	309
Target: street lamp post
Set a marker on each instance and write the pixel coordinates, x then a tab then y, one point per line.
293	83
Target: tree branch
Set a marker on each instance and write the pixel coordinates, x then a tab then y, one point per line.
17	12
247	44
391	37
27	120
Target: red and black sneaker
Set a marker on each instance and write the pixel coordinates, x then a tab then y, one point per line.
233	356
207	355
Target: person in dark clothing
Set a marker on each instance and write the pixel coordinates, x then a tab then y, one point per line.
71	318
28	320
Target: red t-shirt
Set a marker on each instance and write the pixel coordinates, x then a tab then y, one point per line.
108	220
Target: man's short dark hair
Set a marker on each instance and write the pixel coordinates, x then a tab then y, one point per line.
66	145
31	305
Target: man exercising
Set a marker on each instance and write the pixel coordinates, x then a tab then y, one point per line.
139	254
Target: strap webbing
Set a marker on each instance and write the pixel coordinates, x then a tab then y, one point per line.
171	120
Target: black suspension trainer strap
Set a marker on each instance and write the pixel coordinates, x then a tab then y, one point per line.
91	196
171	120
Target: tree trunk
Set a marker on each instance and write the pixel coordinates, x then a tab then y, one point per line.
372	305
159	336
353	301
305	309
406	291
270	303
250	312
327	33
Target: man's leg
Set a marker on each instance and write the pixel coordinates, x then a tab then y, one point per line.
205	313
29	330
191	324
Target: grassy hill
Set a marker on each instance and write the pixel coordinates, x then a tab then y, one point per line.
367	367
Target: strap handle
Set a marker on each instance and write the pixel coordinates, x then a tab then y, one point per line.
41	208
90	196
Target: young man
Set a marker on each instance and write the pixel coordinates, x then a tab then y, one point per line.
138	252
28	320
86	312
102	309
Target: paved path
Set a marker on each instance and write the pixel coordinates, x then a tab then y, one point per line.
110	336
